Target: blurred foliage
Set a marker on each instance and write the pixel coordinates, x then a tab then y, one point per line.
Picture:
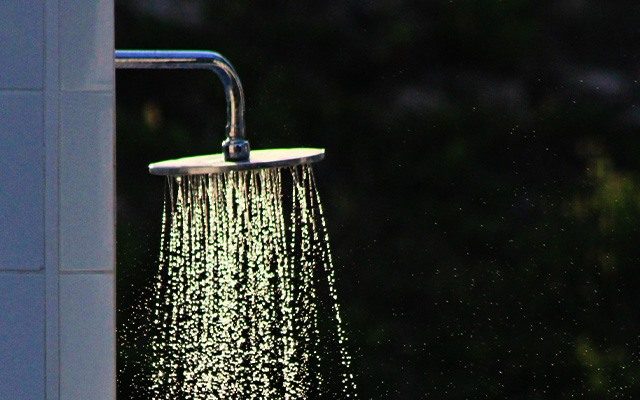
482	180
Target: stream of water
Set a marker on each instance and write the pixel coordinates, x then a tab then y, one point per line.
245	304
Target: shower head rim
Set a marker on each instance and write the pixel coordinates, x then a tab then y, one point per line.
259	159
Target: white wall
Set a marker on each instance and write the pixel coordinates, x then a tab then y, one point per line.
57	305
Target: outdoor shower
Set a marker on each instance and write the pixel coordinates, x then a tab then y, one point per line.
236	153
244	265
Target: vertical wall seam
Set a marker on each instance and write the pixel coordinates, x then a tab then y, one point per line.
58	146
52	151
45	255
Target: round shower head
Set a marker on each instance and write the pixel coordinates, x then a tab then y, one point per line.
215	163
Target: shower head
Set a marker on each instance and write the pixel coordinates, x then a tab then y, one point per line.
236	154
215	163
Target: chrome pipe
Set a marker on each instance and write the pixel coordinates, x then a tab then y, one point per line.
235	147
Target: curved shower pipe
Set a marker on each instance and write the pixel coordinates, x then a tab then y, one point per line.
235	147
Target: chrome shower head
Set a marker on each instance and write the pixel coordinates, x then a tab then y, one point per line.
215	163
236	154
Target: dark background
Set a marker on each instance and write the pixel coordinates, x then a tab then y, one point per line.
482	179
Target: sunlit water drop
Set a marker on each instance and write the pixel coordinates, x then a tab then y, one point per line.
244	304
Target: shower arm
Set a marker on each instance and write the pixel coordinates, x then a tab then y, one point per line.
235	147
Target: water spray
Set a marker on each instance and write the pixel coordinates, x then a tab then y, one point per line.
236	306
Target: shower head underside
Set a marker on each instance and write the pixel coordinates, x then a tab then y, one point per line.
236	154
215	163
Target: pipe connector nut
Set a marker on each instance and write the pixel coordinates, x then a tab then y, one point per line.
236	150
